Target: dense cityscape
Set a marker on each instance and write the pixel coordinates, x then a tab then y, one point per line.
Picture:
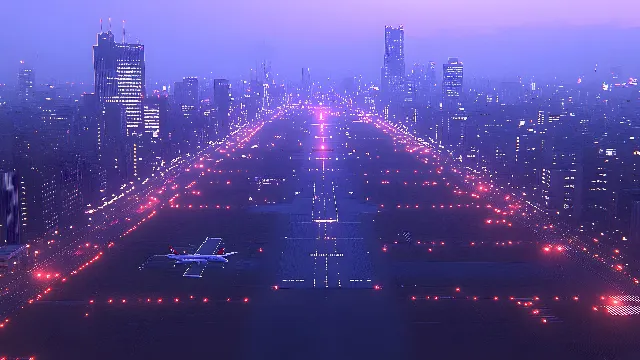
543	177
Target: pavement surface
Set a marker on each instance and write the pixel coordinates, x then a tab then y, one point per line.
316	205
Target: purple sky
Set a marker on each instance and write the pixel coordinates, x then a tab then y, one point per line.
333	37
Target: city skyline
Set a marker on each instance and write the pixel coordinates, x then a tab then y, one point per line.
512	44
467	172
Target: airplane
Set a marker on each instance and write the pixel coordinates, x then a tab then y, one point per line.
198	261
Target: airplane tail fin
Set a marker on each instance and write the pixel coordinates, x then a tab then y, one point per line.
220	251
172	250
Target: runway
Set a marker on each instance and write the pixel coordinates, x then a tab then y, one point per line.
314	204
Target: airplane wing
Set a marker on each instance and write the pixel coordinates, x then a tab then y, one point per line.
195	270
209	246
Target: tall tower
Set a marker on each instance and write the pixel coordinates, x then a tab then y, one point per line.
26	81
393	69
222	104
119	77
417	86
452	75
305	83
432	82
186	92
9	209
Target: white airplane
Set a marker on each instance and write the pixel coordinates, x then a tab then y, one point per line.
205	254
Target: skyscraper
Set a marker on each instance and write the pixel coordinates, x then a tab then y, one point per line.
305	83
9	209
186	92
222	105
119	71
26	81
156	112
452	74
431	81
254	100
393	69
420	84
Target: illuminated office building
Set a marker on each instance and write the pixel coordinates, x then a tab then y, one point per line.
186	92
9	209
431	81
393	69
119	70
26	80
222	105
452	76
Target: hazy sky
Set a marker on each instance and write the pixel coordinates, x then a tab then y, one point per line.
332	37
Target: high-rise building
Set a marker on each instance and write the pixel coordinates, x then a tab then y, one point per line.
420	84
26	81
254	100
9	209
222	105
186	92
393	69
119	70
56	121
70	194
156	113
185	99
7	134
452	76
562	183
114	154
305	83
432	81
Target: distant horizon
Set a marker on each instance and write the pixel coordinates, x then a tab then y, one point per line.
546	39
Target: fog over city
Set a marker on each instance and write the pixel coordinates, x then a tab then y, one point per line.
319	179
498	38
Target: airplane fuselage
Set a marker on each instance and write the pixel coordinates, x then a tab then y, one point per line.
195	258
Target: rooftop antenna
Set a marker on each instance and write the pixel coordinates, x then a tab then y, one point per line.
100	25
109	24
124	33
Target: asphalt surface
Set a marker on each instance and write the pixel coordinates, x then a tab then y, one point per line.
314	205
